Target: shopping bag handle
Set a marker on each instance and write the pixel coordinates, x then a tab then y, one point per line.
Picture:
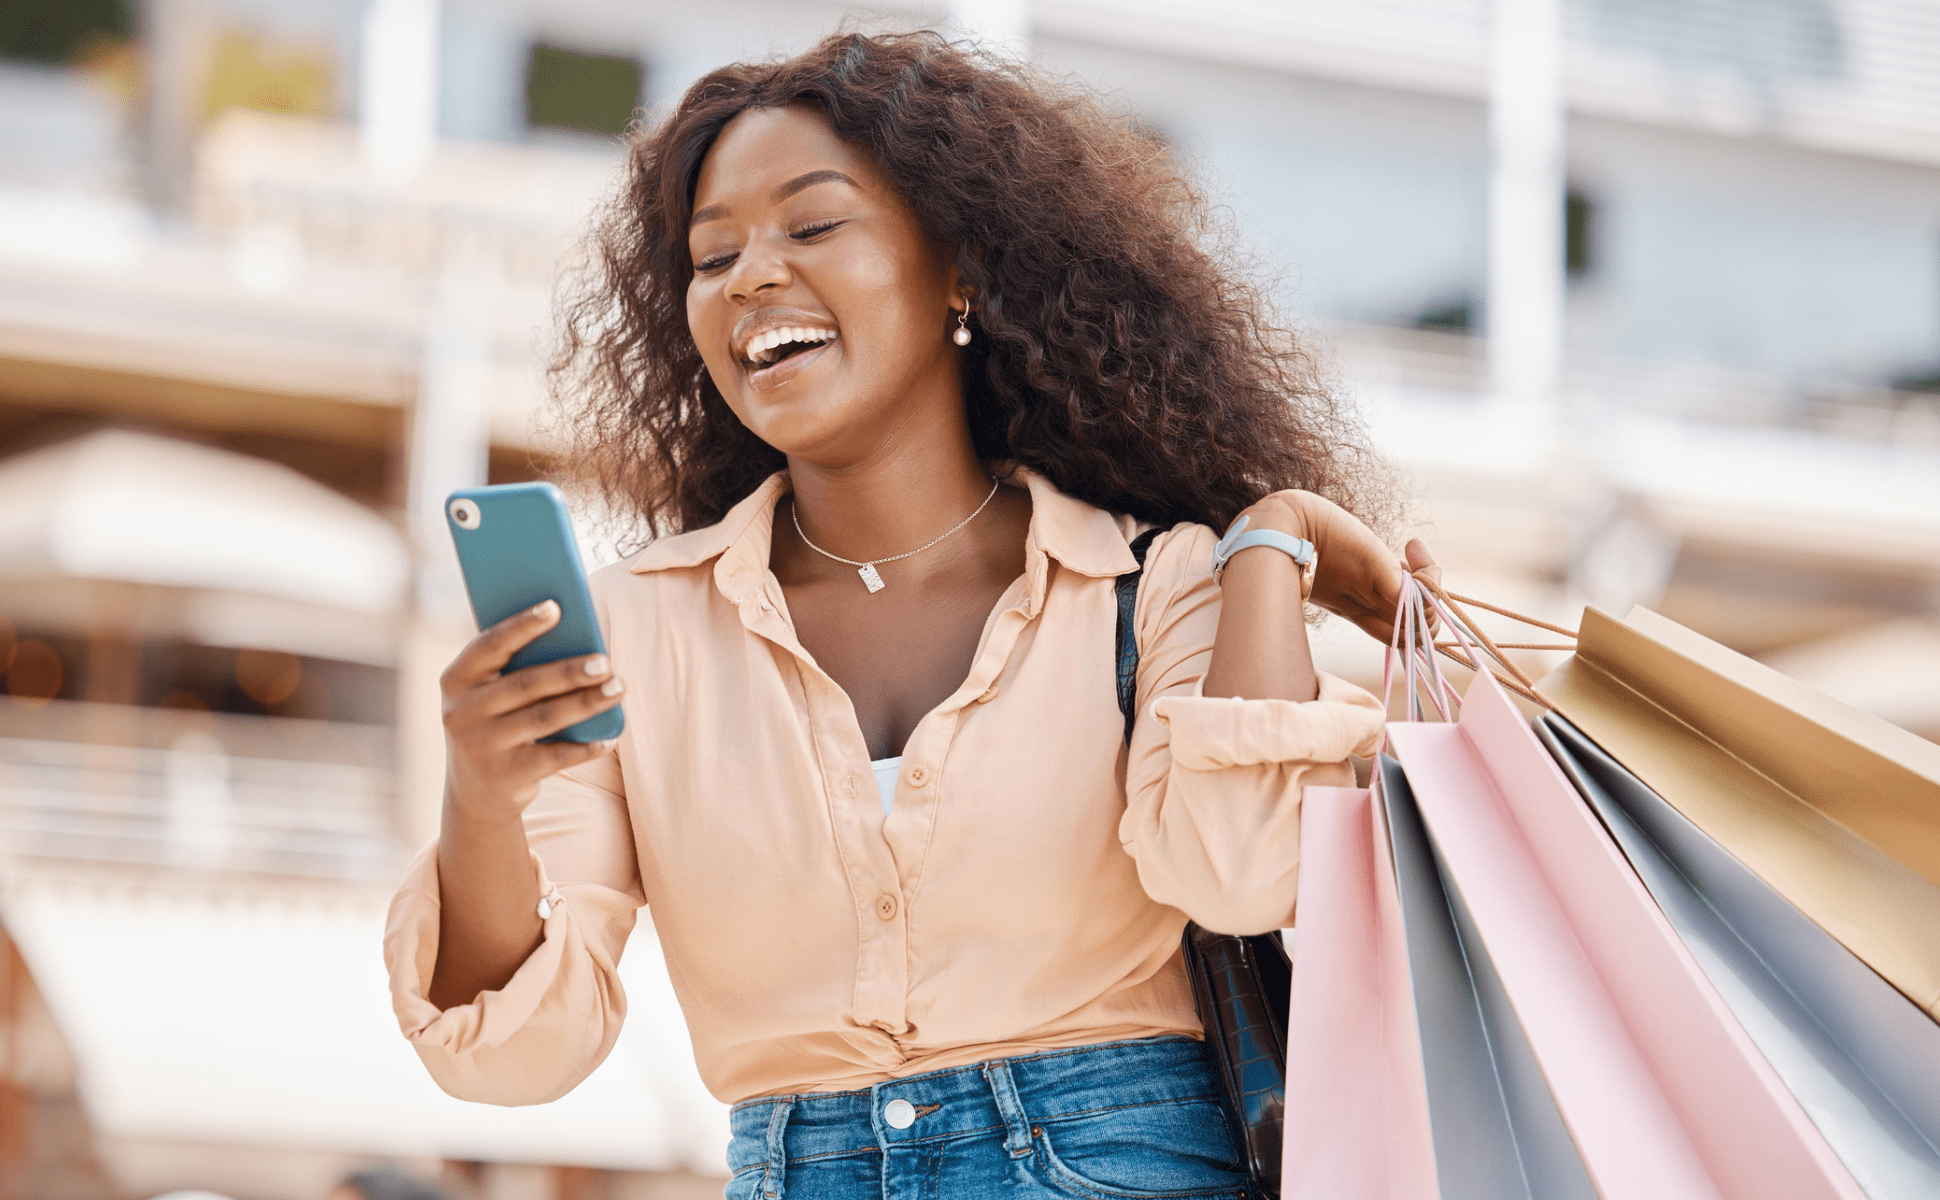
1413	643
1422	600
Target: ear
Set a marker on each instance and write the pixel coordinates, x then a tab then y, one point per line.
961	293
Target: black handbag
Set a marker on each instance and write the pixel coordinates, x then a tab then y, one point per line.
1240	985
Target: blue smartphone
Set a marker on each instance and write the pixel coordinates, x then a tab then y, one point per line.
516	548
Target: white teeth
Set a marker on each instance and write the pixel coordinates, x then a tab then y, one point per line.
761	347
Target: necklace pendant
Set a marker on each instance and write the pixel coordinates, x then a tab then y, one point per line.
870	579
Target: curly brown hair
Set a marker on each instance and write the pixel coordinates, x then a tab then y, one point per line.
1118	354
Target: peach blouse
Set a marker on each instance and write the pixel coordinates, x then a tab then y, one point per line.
1027	892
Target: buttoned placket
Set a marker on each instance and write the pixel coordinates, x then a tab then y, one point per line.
883	860
881	986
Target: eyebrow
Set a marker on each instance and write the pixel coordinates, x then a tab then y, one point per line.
799	183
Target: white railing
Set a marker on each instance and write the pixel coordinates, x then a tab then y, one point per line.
1856	75
1454	367
523	205
197	792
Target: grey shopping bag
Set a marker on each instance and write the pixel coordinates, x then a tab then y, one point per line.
1497	1132
1863	1061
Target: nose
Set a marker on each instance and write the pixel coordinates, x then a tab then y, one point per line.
758	268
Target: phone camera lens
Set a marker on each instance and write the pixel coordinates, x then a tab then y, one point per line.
465	514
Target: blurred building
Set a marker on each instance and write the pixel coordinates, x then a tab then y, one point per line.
275	276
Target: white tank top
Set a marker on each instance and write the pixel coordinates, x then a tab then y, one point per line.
886	769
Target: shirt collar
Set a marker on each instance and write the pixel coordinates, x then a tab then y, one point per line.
1083	538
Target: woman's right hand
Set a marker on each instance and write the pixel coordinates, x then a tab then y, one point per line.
494	720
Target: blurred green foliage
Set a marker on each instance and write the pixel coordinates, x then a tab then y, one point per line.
61	31
591	93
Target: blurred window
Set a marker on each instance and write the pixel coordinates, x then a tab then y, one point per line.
1453	314
1579	233
61	31
584	93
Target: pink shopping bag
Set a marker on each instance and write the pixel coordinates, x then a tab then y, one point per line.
1410	1077
1356	1102
1665	1095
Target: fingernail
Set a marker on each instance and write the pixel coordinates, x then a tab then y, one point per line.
596	665
611	687
544	609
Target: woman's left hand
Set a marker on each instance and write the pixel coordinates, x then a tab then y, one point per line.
1356	576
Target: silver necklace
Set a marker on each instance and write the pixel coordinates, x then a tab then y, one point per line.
870	579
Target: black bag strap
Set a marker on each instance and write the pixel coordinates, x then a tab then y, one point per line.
1240	985
1127	589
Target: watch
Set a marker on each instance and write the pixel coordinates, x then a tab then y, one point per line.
1238	538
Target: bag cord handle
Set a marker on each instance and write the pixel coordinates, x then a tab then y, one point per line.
1423	600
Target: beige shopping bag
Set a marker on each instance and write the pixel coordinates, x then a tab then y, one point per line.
1837	810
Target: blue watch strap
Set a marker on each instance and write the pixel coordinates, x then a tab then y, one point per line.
1239	538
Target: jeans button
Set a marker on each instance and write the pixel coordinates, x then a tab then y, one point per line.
899	1114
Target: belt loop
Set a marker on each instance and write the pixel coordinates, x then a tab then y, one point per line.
1017	1130
776	1171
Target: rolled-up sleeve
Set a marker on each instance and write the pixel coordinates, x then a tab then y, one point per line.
556	1019
1213	784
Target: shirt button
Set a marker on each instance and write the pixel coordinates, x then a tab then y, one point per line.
899	1114
849	784
886	906
918	777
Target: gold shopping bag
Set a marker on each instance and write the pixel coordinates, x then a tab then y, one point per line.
1837	810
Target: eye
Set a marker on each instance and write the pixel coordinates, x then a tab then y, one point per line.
810	232
713	263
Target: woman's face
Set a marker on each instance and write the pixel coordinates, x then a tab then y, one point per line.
820	306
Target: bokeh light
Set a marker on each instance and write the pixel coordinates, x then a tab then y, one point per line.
35	674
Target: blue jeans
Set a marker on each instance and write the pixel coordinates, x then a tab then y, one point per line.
1117	1121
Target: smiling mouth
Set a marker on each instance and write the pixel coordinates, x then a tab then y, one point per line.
777	345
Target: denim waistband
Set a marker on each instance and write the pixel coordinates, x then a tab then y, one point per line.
1007	1095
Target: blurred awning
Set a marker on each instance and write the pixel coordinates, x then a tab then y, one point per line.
266	1021
130	506
125	530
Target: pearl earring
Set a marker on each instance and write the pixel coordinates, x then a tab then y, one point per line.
962	336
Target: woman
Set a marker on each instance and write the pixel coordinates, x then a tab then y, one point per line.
899	351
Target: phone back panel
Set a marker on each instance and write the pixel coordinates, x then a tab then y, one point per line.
524	553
